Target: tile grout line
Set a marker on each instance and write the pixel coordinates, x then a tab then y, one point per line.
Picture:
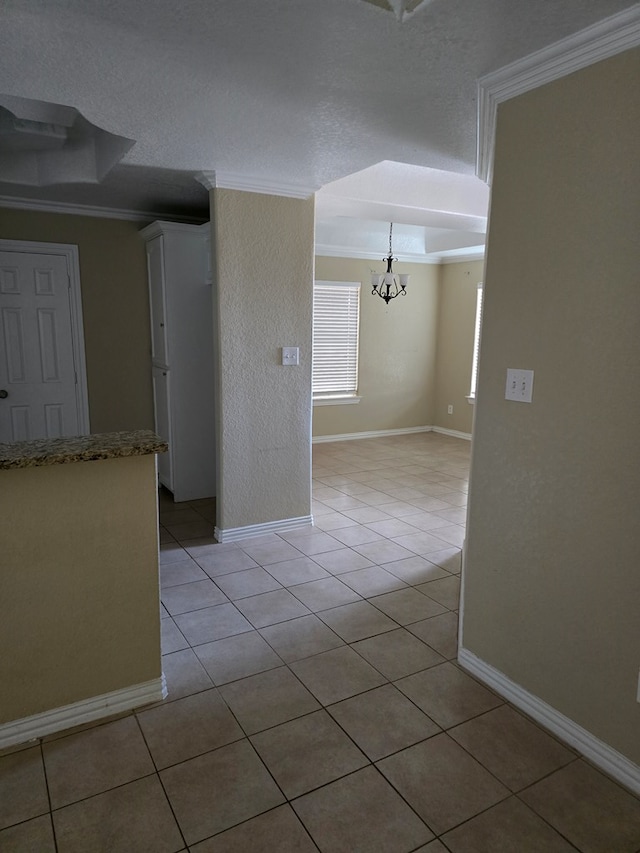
46	780
161	783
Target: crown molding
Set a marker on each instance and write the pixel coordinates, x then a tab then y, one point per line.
325	250
207	179
472	254
90	210
162	226
230	181
600	41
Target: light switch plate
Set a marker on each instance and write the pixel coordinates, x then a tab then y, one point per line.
519	385
291	355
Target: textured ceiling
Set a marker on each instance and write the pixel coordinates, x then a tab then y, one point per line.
301	92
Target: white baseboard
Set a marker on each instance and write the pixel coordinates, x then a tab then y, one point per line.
376	433
599	753
85	711
232	534
454	433
381	433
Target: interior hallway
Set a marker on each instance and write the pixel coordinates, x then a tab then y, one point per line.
314	698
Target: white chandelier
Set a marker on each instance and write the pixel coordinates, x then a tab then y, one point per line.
388	285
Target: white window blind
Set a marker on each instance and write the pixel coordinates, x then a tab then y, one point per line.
476	342
336	321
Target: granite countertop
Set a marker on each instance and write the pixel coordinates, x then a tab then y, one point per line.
82	448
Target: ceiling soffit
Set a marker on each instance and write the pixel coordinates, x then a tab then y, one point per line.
432	63
43	144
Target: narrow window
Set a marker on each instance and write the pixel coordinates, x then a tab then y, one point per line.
476	342
336	320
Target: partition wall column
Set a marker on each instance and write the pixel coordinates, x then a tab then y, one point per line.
262	255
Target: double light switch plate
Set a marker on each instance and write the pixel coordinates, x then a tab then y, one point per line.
291	355
519	385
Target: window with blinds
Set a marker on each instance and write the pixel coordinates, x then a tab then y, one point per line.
336	321
476	342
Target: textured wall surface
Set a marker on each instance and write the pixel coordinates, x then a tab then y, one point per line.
456	324
115	306
263	250
551	581
397	351
80	589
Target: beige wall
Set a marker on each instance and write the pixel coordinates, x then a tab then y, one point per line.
552	580
404	390
397	352
115	309
263	256
456	324
80	600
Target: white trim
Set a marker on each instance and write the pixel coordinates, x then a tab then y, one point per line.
463	256
381	433
456	256
600	41
207	179
88	210
71	255
336	401
231	181
602	755
324	250
85	711
161	226
232	534
377	433
454	433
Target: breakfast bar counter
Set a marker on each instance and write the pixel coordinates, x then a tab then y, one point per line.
79	584
81	448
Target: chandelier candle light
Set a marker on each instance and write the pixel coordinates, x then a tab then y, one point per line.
389	285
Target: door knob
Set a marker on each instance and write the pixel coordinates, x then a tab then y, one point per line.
3	394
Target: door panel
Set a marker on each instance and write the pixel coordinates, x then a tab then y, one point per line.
37	367
14	344
20	423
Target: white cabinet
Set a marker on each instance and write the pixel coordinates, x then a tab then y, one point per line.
183	352
157	298
160	376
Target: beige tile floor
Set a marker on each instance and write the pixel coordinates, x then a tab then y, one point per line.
314	698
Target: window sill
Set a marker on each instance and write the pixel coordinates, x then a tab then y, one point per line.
336	401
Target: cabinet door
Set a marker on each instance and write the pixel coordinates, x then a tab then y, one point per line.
157	299
161	401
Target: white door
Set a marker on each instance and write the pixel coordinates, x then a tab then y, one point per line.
39	395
